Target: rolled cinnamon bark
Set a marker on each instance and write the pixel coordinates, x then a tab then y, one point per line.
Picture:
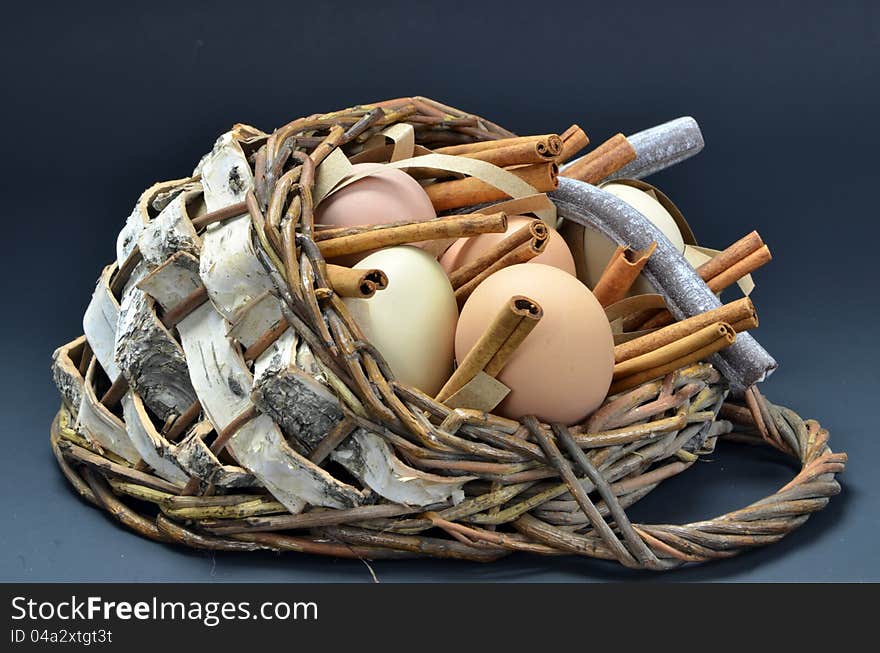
620	273
673	350
721	334
606	159
513	155
731	255
746	324
365	239
741	312
521	254
505	333
535	229
548	145
532	314
457	193
740	269
354	282
574	139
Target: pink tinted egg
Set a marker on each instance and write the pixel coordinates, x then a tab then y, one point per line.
464	250
562	371
386	195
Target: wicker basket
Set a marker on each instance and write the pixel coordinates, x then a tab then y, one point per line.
134	436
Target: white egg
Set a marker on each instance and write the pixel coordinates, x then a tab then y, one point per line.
412	322
598	248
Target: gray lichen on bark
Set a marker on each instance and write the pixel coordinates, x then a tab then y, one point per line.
172	230
305	410
150	358
194	456
66	374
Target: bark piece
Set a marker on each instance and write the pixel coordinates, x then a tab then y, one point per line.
194	456
97	424
99	323
142	213
155	450
305	409
150	358
371	460
255	319
223	382
172	230
65	373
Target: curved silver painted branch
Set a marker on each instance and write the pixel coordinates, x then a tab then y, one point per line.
661	147
743	363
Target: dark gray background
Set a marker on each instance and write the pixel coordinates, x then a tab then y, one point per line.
100	103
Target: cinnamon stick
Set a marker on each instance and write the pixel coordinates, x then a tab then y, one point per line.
601	162
741	311
746	325
535	229
574	139
355	282
496	345
457	193
620	273
716	336
731	255
746	266
673	350
549	145
514	154
521	254
365	239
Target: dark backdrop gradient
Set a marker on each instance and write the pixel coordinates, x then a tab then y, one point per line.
101	102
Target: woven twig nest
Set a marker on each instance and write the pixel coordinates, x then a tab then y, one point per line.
222	381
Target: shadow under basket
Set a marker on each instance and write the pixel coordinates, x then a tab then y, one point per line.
160	457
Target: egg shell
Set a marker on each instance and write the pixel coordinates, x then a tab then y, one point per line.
412	322
386	195
466	250
598	248
562	371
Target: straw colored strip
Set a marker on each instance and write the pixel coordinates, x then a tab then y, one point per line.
455	194
548	144
522	254
534	230
505	324
725	339
730	256
737	271
453	226
354	282
741	310
603	161
574	139
672	351
620	273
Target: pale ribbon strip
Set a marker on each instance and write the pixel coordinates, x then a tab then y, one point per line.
336	173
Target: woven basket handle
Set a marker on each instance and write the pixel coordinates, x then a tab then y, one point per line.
664	546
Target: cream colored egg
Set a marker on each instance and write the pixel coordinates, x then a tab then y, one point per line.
598	248
412	322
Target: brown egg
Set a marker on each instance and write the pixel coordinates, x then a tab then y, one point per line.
386	195
562	370
465	250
